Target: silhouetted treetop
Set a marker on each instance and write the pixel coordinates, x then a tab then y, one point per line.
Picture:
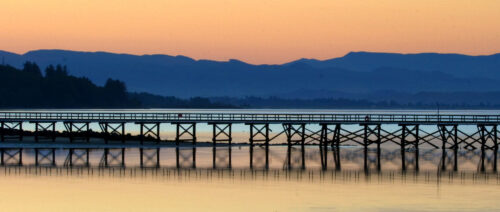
27	88
32	68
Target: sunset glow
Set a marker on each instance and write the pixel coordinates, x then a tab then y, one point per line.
257	31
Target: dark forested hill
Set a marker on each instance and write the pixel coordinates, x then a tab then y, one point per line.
29	88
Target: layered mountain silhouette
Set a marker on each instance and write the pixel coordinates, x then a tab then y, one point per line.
357	75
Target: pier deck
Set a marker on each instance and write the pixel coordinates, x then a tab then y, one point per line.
342	118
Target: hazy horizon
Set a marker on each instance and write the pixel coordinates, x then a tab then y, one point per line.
226	60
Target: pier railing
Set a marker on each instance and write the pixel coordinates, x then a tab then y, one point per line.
249	117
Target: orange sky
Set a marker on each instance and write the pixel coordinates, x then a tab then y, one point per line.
255	31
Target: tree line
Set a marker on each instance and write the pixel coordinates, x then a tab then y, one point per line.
55	88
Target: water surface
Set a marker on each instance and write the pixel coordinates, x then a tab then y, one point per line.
293	180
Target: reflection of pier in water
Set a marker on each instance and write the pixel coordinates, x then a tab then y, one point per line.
198	174
222	157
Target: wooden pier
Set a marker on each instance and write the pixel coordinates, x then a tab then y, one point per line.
327	131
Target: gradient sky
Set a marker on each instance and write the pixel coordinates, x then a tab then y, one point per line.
255	31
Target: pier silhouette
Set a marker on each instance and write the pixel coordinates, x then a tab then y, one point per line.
327	134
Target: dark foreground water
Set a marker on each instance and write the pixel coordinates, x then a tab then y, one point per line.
237	179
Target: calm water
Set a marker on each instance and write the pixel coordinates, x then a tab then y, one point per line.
237	179
194	179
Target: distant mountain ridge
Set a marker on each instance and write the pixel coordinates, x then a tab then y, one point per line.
355	75
457	64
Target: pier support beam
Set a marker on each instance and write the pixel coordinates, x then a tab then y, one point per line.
11	130
449	137
295	133
371	135
489	136
409	137
45	130
330	134
222	132
185	132
113	131
149	131
259	132
221	158
78	130
489	141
